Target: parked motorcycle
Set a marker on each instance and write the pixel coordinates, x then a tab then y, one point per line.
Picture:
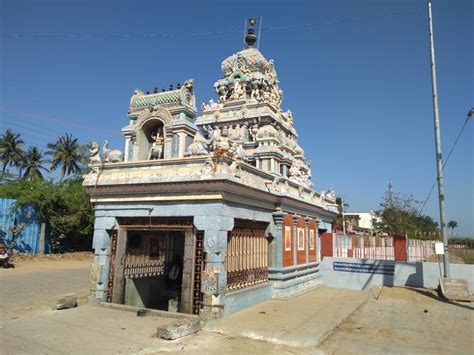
5	256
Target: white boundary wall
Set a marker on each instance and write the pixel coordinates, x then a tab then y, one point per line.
416	274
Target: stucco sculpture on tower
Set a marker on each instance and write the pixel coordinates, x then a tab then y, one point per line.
229	192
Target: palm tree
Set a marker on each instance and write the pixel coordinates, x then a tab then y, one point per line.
451	225
66	154
33	164
11	150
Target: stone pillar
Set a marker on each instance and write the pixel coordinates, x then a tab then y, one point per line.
214	279
126	150
99	269
118	291
317	240
276	247
306	231
295	239
168	146
182	144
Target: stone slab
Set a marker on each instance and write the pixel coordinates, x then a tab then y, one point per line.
455	289
178	329
66	301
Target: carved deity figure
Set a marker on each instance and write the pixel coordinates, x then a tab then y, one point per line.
275	95
239	91
254	131
271	73
222	92
331	194
219	139
265	91
211	105
156	149
281	136
237	150
235	169
296	172
255	93
289	117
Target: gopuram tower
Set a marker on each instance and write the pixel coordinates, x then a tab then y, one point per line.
209	214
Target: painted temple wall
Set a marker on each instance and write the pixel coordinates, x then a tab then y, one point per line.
216	219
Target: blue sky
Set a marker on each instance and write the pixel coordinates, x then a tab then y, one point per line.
355	74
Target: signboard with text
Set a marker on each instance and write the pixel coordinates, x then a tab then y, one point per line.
382	269
455	289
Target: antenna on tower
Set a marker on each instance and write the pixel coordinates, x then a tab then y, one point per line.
245	33
390	193
259	32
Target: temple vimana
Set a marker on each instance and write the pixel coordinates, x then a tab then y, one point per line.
207	213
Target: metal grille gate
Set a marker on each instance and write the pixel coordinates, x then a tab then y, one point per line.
112	255
246	259
198	269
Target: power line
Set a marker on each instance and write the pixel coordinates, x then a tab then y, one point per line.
469	115
36	130
24	121
66	121
211	33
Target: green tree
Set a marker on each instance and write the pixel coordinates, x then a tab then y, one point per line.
66	155
399	216
32	164
11	150
452	225
64	207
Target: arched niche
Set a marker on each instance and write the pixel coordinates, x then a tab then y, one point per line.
151	133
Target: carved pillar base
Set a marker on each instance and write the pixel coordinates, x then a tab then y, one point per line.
276	246
99	269
214	278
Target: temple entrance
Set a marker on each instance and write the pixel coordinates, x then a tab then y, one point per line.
153	269
155	262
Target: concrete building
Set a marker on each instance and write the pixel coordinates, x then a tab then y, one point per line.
361	221
209	214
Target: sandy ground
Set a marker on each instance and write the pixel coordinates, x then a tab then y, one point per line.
33	286
405	320
323	321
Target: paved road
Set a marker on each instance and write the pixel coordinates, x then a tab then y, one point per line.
32	287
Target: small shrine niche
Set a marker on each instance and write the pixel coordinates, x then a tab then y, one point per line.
151	140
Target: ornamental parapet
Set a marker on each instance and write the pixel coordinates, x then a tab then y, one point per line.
199	169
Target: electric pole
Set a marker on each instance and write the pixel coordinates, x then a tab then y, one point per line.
439	160
342	212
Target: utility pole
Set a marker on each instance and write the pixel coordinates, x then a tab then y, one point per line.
439	160
343	220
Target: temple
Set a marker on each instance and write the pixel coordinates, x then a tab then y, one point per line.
207	214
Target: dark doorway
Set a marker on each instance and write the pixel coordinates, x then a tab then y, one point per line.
154	269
